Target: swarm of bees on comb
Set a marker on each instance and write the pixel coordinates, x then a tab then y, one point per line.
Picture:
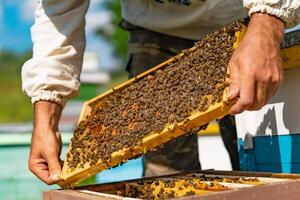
189	83
168	188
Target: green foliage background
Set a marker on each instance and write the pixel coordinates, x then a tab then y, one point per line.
116	36
14	105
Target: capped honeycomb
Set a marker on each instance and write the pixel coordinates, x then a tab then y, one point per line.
168	188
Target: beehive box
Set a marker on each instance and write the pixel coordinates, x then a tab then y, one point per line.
202	185
178	96
269	139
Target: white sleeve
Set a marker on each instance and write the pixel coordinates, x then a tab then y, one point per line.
287	10
58	36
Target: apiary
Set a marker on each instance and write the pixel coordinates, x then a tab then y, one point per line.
202	185
177	97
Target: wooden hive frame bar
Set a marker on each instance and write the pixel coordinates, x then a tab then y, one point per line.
291	58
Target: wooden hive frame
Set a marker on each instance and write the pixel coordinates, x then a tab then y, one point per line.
275	186
291	58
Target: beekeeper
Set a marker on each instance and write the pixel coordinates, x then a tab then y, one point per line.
158	29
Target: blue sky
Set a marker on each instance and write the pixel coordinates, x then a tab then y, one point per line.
14	27
17	16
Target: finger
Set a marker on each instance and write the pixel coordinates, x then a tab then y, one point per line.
276	82
234	87
40	168
54	166
247	92
260	96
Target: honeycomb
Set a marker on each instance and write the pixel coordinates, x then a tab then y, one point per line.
191	82
165	188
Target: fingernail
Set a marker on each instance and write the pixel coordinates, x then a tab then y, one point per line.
55	177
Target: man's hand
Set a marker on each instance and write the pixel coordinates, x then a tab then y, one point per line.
256	66
44	159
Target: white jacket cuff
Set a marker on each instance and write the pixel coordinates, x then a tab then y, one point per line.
274	10
288	11
53	96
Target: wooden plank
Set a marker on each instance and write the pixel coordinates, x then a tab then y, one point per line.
70	195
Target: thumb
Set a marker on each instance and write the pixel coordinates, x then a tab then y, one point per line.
54	166
234	88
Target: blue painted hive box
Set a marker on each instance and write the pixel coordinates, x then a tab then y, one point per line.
269	139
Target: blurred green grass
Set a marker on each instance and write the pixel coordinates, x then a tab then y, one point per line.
14	105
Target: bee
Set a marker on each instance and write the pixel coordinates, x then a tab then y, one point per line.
168	95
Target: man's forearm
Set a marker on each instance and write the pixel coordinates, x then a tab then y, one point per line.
267	25
46	115
44	160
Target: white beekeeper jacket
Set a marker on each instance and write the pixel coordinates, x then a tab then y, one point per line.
52	74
